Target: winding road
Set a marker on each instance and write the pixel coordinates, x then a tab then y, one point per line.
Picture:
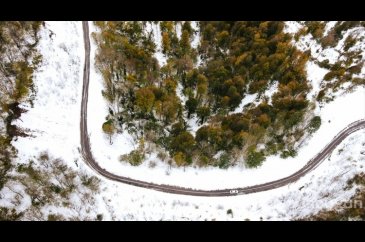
91	162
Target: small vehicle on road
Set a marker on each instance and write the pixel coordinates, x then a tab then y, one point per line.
233	191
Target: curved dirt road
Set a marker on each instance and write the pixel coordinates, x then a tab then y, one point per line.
91	162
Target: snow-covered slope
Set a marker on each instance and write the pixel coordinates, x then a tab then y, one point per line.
54	121
55	118
323	188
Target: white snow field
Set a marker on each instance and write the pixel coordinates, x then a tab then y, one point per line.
55	118
55	121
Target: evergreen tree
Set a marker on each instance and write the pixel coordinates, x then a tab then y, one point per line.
191	105
254	159
203	113
145	99
109	129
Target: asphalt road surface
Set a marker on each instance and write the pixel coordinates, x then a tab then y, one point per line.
91	162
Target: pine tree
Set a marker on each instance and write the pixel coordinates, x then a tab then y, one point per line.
254	158
166	43
191	105
145	99
203	112
180	159
183	142
109	129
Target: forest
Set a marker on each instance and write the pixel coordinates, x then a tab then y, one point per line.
187	107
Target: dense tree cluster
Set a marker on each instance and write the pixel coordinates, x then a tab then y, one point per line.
138	90
246	57
235	59
241	54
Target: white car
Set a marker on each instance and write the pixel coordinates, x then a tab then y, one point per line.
233	191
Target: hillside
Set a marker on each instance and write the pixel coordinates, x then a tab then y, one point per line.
205	105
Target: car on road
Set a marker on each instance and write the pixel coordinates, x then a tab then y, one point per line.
233	191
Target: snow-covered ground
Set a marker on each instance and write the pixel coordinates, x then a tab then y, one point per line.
97	111
249	98
55	121
156	30
55	118
322	188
